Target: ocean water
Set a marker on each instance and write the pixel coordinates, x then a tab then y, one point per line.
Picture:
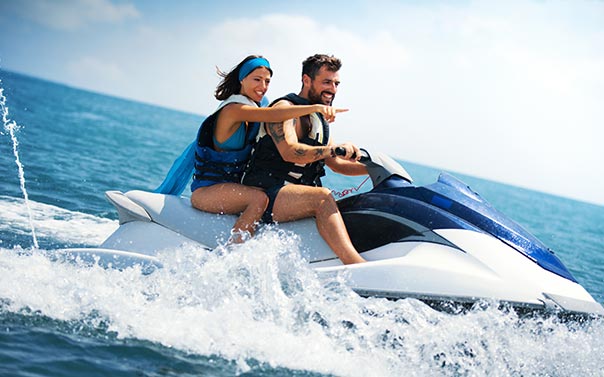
255	309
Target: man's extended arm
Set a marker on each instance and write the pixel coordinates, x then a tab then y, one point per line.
285	138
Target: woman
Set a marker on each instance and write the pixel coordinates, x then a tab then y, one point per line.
225	140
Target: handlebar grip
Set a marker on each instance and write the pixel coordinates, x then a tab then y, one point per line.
340	151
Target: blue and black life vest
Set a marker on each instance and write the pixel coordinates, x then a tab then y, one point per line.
267	168
211	166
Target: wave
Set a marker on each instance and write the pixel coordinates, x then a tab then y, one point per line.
260	301
51	222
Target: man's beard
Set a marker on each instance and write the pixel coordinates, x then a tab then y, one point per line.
317	98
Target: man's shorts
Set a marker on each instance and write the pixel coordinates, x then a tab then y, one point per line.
272	192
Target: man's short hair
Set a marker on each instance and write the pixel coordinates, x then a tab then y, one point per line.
313	64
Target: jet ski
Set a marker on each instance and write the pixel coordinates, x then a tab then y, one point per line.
439	243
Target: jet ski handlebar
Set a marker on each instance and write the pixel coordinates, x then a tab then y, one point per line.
340	151
379	167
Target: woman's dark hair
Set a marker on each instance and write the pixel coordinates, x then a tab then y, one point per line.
230	83
313	64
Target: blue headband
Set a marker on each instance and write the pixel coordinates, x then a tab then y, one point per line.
252	64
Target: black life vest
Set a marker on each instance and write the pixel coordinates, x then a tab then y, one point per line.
268	169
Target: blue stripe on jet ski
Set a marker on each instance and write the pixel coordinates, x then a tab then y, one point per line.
441	202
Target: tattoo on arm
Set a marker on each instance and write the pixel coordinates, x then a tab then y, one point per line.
276	132
300	152
319	152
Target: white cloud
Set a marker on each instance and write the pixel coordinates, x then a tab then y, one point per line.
72	15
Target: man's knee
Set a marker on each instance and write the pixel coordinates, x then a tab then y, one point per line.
260	200
325	194
321	198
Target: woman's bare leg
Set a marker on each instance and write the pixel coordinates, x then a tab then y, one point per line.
233	198
295	202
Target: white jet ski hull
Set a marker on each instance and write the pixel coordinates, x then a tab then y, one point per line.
479	267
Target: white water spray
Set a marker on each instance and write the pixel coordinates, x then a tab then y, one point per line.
11	127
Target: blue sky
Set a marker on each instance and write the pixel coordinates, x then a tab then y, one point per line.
511	91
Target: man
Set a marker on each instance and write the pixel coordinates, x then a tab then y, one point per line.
289	158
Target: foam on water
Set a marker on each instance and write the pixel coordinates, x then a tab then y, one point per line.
261	302
58	224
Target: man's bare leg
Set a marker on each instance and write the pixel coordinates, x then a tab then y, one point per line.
296	202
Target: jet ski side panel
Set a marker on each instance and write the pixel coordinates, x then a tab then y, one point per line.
455	196
487	270
376	219
176	214
515	269
467	208
146	238
175	221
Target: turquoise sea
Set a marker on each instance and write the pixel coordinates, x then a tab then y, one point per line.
224	315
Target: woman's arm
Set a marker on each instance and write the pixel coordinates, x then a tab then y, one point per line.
233	114
236	112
